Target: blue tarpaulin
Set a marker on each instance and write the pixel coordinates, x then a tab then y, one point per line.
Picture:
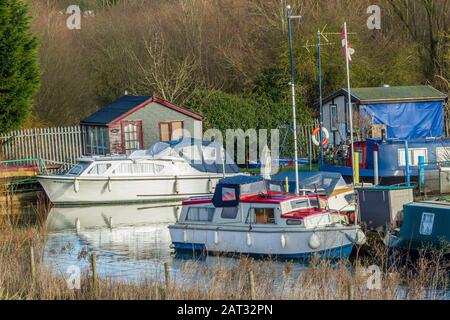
407	120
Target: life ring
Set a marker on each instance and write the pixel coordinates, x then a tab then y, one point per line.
326	138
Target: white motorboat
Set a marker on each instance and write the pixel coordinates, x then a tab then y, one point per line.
167	171
245	217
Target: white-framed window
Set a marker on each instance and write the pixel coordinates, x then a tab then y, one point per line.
99	168
333	117
414	154
137	169
96	140
200	214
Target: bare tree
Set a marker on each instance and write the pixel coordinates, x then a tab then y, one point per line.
173	79
426	22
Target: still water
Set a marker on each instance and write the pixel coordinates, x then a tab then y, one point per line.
131	242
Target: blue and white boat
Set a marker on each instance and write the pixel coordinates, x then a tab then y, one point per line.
245	218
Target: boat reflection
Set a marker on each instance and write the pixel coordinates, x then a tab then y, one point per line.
130	241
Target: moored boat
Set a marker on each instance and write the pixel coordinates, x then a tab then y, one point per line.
425	228
245	217
167	171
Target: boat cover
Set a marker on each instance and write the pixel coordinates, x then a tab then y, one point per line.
205	156
230	190
328	181
407	120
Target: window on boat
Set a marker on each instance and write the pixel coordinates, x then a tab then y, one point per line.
261	216
413	158
100	168
138	169
300	204
315	204
200	214
294	222
253	188
229	213
275	188
78	169
351	198
228	194
210	155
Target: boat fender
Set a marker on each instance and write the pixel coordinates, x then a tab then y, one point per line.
216	237
360	238
314	241
110	222
185	234
210	186
283	241
177	185
76	185
177	212
249	239
109	184
77	224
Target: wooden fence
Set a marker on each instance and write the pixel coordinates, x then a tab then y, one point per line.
59	145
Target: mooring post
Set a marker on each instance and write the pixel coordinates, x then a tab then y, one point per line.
375	168
94	272
32	265
408	178
356	168
287	184
167	275
251	280
350	292
421	172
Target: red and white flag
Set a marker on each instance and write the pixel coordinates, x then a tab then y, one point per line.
344	48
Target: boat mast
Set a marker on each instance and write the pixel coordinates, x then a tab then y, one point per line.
294	116
320	99
349	98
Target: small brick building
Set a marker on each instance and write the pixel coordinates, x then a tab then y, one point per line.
136	122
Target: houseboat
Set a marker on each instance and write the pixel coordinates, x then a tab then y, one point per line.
174	170
393	128
244	217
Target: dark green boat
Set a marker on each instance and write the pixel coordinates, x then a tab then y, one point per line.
425	227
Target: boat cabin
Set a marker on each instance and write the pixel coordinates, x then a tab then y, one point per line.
245	200
175	158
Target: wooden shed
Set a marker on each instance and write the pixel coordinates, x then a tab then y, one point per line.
136	122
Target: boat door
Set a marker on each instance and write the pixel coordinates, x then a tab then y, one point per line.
131	136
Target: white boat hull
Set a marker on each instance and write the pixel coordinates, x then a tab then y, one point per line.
86	190
295	243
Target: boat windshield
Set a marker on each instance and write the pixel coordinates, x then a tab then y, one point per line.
205	156
78	169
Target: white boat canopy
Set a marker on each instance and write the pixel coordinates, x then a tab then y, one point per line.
205	156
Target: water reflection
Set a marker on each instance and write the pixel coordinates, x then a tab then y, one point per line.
131	241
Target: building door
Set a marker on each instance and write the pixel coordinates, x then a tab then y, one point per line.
131	136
